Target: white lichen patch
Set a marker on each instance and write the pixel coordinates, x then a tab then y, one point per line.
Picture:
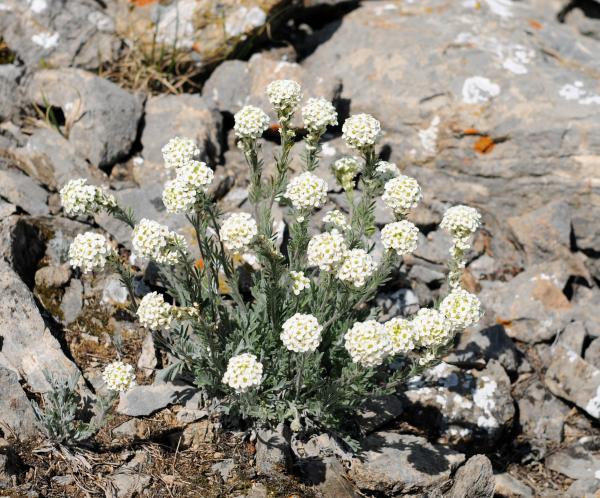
244	19
176	24
38	6
328	150
502	8
478	89
518	58
383	9
484	398
593	405
429	136
46	40
576	91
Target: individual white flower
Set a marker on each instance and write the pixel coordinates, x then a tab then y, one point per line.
461	222
89	251
344	170
402	335
368	343
301	333
196	174
357	266
326	250
400	236
243	372
401	194
318	114
179	151
119	376
178	196
78	198
361	131
152	240
462	308
431	327
153	312
306	191
337	219
386	171
299	282
284	95
238	231
250	123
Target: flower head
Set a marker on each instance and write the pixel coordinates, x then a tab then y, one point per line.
250	123
301	333
431	327
238	231
79	198
119	376
386	171
462	308
461	222
284	95
154	313
368	343
243	372
318	114
402	335
299	282
89	251
306	191
152	240
195	174
178	196
344	170
401	194
361	131
337	219
326	250
357	266
179	151
400	236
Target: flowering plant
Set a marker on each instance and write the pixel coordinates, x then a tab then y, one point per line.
300	344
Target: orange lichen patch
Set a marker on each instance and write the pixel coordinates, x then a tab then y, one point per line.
199	264
143	3
484	145
471	131
503	322
535	24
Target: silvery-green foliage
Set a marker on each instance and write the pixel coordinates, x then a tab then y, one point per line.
285	332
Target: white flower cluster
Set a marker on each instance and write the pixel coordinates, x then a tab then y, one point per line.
179	151
250	123
431	327
402	335
89	251
344	170
357	266
401	194
337	219
400	236
119	376
153	312
243	372
284	95
238	231
181	193
318	114
301	333
151	240
386	171
368	343
78	198
326	250
461	222
299	282
462	308
361	131
307	191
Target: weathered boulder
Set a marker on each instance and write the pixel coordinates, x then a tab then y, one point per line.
16	414
580	460
10	97
21	190
273	452
145	400
574	379
101	119
475	479
21	245
393	463
26	342
592	353
508	486
64	33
